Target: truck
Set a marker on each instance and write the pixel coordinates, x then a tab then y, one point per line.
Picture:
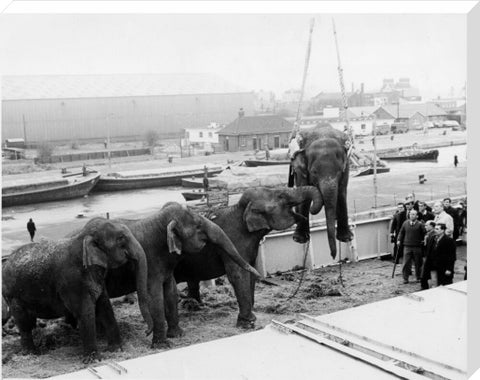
399	127
382	129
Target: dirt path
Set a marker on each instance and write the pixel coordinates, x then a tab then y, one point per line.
320	293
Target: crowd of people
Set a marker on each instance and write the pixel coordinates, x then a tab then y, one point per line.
426	236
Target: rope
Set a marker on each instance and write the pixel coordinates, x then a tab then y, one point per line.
340	264
305	70
306	247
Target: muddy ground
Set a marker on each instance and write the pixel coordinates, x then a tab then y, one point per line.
320	292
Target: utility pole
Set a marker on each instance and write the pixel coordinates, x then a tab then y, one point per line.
375	189
24	129
109	120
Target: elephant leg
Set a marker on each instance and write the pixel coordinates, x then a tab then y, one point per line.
302	230
194	290
25	322
106	319
242	287
171	308
343	230
70	319
157	310
88	330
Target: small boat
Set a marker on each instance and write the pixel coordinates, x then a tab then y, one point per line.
70	186
193	195
255	163
142	180
409	154
368	171
197	182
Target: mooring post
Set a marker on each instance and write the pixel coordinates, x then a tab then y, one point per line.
108	215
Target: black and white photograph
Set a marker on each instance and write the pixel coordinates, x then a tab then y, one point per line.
271	190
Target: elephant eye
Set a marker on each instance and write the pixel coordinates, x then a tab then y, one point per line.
121	240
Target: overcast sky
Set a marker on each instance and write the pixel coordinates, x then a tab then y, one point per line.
253	51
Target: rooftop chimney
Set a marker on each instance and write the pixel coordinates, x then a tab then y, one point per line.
241	112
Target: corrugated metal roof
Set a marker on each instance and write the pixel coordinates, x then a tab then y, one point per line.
114	85
257	124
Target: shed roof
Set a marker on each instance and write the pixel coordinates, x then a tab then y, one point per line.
115	85
410	109
246	125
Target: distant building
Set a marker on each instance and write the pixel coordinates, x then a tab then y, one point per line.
413	115
255	132
75	107
335	99
455	108
360	119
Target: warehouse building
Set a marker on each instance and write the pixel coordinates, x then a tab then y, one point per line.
79	107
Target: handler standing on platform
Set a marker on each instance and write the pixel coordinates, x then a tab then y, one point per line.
205	179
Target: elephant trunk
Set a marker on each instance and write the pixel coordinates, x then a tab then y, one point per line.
137	253
329	190
306	194
217	236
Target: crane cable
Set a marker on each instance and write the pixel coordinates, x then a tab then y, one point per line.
350	142
304	79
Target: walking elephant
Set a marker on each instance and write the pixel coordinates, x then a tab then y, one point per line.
322	161
259	211
51	279
167	237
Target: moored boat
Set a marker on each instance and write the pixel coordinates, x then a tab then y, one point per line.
142	180
368	171
193	195
409	154
255	163
197	182
70	186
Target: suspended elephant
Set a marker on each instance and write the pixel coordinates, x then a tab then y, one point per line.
259	211
51	279
322	162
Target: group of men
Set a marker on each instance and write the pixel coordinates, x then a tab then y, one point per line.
427	237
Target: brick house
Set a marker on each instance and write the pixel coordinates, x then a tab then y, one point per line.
253	132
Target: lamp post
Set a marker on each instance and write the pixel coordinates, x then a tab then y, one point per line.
109	118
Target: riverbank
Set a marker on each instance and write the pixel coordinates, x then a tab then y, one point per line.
12	171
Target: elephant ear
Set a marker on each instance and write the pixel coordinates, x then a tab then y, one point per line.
254	220
92	255
174	243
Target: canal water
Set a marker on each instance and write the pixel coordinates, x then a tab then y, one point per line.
136	203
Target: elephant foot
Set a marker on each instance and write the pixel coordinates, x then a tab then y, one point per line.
301	237
29	351
92	357
175	332
161	344
345	236
129	298
246	324
115	347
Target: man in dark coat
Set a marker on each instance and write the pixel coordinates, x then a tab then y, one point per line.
427	244
411	237
441	256
205	179
447	207
31	228
423	213
397	221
